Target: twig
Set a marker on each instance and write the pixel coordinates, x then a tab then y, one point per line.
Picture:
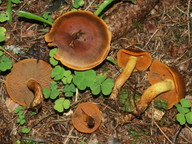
65	142
2	81
188	24
177	133
163	132
150	38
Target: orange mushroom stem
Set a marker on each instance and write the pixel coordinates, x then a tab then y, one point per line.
34	86
131	61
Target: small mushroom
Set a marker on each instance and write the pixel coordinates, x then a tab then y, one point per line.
25	82
87	117
131	62
82	38
167	84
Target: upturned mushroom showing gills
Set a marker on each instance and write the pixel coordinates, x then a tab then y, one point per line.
167	84
87	117
25	82
131	62
82	38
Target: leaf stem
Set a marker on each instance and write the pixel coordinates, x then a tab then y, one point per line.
102	6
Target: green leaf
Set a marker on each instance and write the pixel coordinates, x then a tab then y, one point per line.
25	130
47	16
54	93
46	93
53	61
181	118
15	1
57	73
110	59
53	85
1	53
17	109
2	34
33	16
181	109
67	77
185	103
95	89
83	79
66	104
3	17
22	121
52	52
69	90
59	105
107	86
189	117
5	63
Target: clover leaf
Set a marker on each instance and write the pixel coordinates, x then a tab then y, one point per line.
52	52
83	79
189	117
185	103
61	104
181	109
78	3
2	33
3	17
107	86
67	77
5	63
69	89
181	118
25	130
57	73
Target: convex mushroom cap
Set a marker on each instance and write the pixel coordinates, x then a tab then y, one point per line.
26	80
87	117
131	62
82	38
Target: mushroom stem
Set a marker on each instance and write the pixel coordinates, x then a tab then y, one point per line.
122	78
148	95
34	86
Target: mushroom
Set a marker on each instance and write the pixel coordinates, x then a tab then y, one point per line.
131	62
82	38
87	117
25	82
167	84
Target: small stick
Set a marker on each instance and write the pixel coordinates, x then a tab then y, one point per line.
163	132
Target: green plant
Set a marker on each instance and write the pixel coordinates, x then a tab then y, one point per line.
78	3
161	104
21	116
61	104
47	16
97	83
185	115
5	62
52	60
53	92
25	130
2	34
69	89
33	16
128	100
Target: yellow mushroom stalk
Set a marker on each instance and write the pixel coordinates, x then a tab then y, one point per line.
123	77
131	62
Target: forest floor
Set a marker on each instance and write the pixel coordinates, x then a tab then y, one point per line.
165	33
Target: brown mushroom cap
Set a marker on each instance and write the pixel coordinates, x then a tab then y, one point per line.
21	73
82	38
159	72
91	110
143	59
